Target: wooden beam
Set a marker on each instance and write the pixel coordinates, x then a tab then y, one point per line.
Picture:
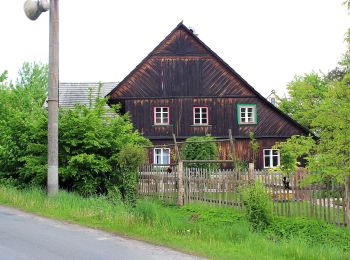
207	161
232	142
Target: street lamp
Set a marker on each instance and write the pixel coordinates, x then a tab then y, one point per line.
33	9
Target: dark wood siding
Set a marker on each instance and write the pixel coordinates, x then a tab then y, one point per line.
222	116
182	72
180	66
242	147
181	76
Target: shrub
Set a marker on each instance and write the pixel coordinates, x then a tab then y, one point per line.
91	144
200	150
257	203
129	159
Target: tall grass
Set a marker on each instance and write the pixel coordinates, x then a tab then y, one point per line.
218	233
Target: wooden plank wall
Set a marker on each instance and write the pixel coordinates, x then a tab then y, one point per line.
222	116
242	147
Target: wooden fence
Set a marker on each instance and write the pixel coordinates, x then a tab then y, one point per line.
325	201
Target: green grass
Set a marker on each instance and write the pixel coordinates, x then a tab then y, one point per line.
218	233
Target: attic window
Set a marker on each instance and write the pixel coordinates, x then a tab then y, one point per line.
246	114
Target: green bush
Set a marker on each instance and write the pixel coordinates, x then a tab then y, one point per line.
258	207
93	147
129	159
23	124
199	149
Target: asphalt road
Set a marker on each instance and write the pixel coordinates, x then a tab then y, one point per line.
26	236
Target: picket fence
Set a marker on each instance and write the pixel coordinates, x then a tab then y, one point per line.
221	187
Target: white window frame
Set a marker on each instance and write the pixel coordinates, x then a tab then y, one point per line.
161	155
243	109
162	114
202	110
270	155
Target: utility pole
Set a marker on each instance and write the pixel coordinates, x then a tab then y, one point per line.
33	9
52	174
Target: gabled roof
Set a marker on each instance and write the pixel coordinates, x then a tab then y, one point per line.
169	47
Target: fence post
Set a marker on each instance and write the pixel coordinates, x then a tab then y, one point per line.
347	199
251	176
180	173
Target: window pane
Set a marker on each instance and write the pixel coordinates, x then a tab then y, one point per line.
158	109
157	158
275	161
197	110
204	121
197	121
275	152
166	156
243	119
267	162
250	110
204	115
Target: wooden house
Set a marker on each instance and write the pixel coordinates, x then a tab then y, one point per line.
183	87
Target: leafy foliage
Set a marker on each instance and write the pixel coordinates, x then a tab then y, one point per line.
23	137
94	148
128	160
322	103
306	93
99	152
200	148
258	208
292	151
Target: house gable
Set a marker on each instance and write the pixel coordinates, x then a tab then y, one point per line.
181	65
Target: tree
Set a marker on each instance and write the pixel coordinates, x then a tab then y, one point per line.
306	92
22	119
93	147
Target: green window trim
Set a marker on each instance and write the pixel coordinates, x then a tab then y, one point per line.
255	114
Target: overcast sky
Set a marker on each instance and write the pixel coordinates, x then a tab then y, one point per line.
266	41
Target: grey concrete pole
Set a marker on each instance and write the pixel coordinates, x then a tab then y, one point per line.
52	174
